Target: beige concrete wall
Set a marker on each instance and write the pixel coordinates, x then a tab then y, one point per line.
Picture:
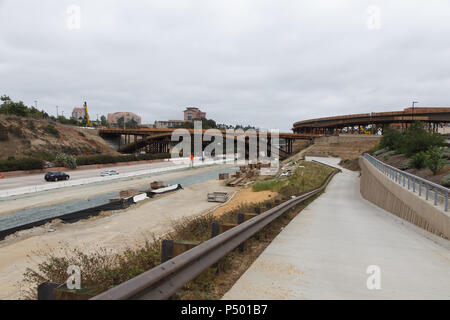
387	194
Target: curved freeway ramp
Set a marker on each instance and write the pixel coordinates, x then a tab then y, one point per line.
325	253
435	116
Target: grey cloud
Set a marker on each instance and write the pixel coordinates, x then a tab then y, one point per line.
267	63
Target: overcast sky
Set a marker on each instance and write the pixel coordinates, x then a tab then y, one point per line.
265	63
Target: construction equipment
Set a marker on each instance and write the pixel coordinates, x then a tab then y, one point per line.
88	122
364	131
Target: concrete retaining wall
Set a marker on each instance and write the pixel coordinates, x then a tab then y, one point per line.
385	193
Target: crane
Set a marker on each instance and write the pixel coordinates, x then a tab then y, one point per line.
88	122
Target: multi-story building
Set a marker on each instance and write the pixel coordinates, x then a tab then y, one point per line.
192	113
78	114
113	118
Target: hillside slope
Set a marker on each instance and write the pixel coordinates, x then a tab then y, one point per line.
24	137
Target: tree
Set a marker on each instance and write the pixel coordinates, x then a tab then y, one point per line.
417	139
103	121
9	107
132	124
434	160
391	139
120	122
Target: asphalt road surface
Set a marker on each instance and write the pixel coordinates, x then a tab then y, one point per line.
38	178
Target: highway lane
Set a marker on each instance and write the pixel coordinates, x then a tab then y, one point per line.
38	178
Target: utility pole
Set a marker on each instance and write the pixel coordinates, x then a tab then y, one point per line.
57	111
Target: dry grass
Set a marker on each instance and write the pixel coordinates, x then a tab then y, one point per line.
104	269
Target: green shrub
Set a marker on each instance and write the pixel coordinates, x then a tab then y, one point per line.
404	166
51	130
417	161
374	149
391	139
445	181
21	164
380	151
434	160
417	139
102	159
388	154
273	185
66	160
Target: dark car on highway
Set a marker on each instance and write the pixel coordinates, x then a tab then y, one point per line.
56	176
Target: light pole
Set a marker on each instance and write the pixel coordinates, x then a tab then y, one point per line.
412	111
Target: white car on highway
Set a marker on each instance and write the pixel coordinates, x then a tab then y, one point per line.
109	173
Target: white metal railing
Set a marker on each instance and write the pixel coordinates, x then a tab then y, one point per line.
412	182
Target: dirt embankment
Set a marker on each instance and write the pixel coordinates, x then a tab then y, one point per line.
41	138
343	146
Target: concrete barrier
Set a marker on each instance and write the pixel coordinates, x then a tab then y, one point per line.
385	193
181	163
82	167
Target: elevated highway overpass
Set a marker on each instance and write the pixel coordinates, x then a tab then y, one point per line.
158	140
432	117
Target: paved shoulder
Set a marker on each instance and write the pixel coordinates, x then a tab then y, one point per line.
324	253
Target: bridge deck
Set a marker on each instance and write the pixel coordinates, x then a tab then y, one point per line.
434	115
159	131
324	253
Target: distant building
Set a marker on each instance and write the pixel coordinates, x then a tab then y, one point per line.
78	114
168	123
113	118
192	113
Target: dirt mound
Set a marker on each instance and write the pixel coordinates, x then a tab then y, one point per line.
41	139
350	164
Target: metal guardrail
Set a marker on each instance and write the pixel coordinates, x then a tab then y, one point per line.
164	280
411	181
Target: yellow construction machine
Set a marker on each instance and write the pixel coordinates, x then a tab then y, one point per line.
88	121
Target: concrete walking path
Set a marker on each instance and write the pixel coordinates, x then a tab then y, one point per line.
325	251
